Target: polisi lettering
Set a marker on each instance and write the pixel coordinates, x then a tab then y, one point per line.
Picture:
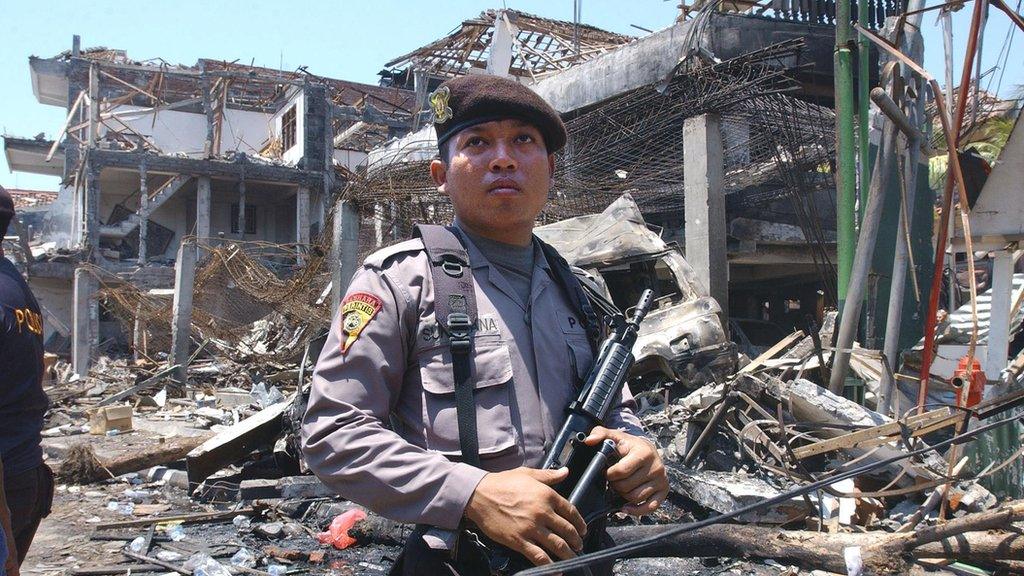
26	318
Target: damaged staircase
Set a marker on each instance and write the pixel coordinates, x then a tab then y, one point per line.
161	195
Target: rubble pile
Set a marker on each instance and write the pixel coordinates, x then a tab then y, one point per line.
205	478
774	426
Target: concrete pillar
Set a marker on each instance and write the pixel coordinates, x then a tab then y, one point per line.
241	209
378	225
396	233
704	203
301	223
203	209
143	213
345	250
139	335
85	312
181	314
94	104
999	320
204	84
90	216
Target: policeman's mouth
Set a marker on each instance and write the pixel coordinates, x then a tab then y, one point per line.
504	187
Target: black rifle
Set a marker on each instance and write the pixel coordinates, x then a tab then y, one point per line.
585	486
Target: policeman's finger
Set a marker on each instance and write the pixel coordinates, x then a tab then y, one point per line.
641	508
554	544
567	511
534	553
648	506
640	493
627	466
549	477
599	433
565	530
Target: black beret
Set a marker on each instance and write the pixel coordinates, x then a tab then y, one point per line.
469	100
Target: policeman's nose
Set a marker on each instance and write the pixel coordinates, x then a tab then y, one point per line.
503	160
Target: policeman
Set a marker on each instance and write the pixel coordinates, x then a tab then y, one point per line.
382	425
27	480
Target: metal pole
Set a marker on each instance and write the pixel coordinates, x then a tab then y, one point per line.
845	161
862	260
913	44
947	206
863	108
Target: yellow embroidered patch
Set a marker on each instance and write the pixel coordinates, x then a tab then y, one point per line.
356	312
439	104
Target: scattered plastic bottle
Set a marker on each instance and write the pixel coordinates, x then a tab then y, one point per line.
137	545
176	533
168	556
202	564
138	496
126	508
277	570
266	396
242	522
243	558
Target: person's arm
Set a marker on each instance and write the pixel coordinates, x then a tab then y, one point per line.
10	563
344	438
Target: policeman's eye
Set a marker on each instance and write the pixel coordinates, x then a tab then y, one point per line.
474	141
524	139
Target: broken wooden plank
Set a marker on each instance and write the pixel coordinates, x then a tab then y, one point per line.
114	569
81	466
146	384
772	352
183	518
236	442
918	425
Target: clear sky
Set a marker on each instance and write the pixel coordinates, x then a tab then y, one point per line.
339	39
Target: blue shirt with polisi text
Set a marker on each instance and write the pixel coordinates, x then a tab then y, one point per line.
23	403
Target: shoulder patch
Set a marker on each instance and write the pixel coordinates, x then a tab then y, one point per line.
356	312
380	257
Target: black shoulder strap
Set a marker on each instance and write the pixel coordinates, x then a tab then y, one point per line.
571	284
456	314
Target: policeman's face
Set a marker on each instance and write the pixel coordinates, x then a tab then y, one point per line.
498	175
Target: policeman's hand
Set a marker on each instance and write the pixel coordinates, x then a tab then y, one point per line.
519	509
639	475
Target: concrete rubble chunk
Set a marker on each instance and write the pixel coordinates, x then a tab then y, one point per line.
725	492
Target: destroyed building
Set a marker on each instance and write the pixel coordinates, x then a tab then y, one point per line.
150	153
210	217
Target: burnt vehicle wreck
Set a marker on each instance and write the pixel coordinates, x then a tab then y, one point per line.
682	341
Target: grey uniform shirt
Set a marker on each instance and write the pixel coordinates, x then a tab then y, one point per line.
381	429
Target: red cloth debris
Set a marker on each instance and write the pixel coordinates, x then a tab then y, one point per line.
337	532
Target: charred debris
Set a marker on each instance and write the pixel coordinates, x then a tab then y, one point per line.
201	261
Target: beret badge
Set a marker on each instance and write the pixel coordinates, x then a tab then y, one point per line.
439	104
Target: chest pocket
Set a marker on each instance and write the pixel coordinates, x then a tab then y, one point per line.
492	381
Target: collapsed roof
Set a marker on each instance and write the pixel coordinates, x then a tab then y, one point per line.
541	46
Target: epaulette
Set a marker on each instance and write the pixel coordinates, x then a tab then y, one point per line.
380	258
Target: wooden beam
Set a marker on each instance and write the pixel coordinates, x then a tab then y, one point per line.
919	424
129	86
772	352
145	111
236	442
64	128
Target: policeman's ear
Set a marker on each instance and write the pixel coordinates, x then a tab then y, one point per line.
439	172
551	167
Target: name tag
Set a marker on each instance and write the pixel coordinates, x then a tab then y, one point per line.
487	324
